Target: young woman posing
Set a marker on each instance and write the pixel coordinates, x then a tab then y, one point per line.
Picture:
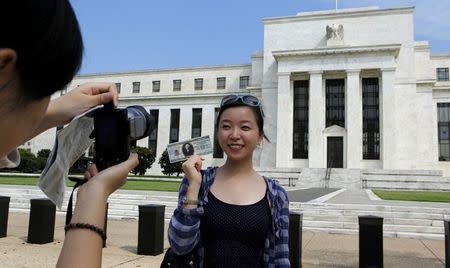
231	215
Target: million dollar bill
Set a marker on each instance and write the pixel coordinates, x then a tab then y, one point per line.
180	151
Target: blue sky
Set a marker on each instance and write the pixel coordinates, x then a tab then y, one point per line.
147	34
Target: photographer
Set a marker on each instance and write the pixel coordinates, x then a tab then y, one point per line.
40	51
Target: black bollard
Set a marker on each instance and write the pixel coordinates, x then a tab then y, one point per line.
106	223
151	230
4	210
370	242
41	227
295	239
447	243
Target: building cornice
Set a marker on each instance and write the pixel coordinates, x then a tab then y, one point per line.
179	96
391	49
340	13
440	55
167	70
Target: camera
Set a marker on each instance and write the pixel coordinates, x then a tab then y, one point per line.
114	131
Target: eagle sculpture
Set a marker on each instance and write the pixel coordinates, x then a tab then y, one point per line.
335	32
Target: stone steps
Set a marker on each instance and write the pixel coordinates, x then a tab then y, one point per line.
400	221
404	221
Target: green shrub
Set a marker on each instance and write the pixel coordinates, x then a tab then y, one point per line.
29	163
44	153
146	159
167	167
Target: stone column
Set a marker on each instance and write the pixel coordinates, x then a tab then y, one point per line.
284	104
388	137
353	119
185	129
316	120
163	129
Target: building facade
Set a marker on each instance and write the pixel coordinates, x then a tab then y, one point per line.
346	88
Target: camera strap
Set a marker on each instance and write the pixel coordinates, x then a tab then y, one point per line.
78	182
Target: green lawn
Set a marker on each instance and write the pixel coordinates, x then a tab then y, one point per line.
413	196
170	186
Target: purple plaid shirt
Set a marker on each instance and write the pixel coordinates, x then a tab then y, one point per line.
184	227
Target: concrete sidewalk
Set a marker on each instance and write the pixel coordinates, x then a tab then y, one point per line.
319	249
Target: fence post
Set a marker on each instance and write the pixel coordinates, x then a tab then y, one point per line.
447	243
41	226
4	210
151	230
370	242
295	239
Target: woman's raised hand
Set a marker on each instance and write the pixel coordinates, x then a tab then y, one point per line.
191	169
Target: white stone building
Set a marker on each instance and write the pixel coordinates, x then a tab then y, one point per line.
346	88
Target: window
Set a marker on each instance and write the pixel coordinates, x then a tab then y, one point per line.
198	83
371	118
444	131
118	87
221	82
153	137
442	74
136	87
244	82
196	122
335	102
156	86
217	151
301	119
174	125
176	85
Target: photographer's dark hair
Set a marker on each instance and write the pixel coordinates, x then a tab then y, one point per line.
258	115
46	37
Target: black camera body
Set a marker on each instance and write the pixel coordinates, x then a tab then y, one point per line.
115	129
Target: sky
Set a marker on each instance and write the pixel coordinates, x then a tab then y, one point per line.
151	34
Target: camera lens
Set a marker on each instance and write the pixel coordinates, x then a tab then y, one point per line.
141	122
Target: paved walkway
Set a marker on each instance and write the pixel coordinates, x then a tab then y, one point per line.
319	249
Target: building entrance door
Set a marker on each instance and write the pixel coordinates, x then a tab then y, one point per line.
335	152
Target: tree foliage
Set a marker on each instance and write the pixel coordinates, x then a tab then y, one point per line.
167	167
146	159
29	163
44	153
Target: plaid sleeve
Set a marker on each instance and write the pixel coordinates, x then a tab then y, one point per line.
184	226
282	241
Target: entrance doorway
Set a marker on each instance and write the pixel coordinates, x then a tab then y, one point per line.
335	152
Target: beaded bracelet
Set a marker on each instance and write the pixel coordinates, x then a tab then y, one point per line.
88	226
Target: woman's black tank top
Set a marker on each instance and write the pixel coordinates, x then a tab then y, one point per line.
234	235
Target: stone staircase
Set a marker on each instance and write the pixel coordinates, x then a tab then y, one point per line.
287	177
399	221
375	179
405	180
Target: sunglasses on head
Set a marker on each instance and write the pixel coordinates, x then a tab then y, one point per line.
246	99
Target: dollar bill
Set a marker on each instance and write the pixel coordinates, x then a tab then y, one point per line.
180	151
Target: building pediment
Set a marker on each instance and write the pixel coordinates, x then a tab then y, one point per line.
389	49
334	130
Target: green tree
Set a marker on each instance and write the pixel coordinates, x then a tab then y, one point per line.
146	159
44	153
28	162
42	157
167	167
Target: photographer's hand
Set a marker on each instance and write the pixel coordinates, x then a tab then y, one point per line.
62	110
83	248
